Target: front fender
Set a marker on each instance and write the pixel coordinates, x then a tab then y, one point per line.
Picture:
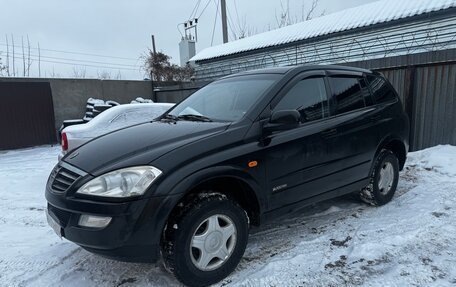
182	187
175	191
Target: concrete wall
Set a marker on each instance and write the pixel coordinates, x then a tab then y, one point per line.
70	95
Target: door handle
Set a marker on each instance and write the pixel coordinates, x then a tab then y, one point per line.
328	133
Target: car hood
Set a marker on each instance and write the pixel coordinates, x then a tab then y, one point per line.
138	145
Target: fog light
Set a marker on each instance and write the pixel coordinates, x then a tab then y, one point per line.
94	221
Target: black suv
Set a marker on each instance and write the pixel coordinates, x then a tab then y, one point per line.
243	149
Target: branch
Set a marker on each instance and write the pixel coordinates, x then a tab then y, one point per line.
312	10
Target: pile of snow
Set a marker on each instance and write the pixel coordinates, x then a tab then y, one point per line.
409	242
140	100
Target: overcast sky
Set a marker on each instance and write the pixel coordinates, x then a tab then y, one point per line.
121	30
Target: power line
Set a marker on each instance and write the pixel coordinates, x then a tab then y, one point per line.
237	14
75	53
231	23
215	23
207	4
195	9
78	60
76	65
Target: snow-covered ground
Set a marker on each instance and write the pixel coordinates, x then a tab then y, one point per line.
409	242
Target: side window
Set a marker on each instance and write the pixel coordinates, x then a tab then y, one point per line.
308	97
347	94
380	89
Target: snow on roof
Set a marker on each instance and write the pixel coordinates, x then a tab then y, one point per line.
357	17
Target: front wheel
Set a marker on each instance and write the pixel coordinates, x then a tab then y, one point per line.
205	239
384	179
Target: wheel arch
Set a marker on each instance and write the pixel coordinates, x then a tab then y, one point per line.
397	146
247	195
231	181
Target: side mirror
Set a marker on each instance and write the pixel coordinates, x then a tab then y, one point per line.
283	120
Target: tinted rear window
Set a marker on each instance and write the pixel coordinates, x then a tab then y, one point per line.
347	94
380	89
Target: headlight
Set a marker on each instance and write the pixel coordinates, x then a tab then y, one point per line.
125	182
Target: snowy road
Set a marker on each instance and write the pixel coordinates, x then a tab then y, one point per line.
409	242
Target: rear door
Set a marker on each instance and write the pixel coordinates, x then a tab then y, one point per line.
353	141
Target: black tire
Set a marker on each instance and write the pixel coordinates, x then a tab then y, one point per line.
185	222
373	193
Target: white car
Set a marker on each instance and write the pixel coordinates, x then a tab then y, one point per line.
108	121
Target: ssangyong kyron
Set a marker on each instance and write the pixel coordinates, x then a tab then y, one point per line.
243	149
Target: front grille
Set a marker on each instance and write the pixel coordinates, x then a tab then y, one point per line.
63	179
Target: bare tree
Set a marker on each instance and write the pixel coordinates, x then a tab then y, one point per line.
158	66
39	60
118	75
53	74
285	18
78	72
1	67
23	58
245	30
7	58
29	60
14	56
104	75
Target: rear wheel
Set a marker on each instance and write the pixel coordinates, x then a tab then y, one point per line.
384	179
205	239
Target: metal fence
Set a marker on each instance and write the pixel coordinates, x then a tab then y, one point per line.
434	119
425	82
429	96
26	115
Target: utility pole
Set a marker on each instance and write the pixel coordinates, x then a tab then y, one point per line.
154	50
224	22
153	45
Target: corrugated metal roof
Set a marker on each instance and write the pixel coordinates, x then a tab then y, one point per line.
357	17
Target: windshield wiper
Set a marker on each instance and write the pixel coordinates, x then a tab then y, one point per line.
170	117
196	118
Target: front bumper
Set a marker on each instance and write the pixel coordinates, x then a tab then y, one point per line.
133	234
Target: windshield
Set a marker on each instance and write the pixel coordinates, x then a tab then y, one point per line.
225	100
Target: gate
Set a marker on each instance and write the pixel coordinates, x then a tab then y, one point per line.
26	115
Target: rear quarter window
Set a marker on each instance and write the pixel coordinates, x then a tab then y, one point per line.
381	91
